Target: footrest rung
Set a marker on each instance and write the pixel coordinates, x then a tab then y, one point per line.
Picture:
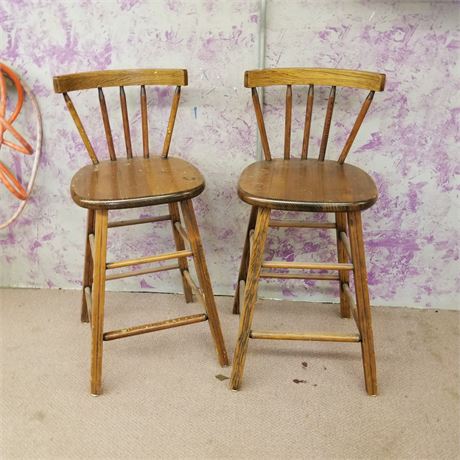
152	327
321	337
308	266
145	220
296	223
163	268
149	259
299	276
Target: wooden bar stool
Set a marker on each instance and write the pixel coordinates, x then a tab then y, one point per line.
310	185
130	183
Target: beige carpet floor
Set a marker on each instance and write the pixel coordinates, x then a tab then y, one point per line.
163	398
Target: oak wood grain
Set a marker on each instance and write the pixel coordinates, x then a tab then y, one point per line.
250	297
130	77
307	185
128	183
315	76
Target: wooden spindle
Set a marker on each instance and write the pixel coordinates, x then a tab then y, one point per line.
356	126
105	119
80	128
308	115
145	125
124	113
172	119
288	122
327	124
261	124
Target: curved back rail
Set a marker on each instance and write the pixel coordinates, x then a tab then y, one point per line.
312	77
121	78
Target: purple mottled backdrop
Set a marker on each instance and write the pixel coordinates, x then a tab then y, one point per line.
409	143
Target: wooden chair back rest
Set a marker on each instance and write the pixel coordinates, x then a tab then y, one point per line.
121	78
310	77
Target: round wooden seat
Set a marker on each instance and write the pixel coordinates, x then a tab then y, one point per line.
133	182
307	185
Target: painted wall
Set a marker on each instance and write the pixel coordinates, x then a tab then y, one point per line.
408	144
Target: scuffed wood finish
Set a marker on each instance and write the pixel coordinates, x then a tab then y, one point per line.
307	185
180	246
288	123
106	121
108	78
327	124
356	126
308	118
315	76
243	273
153	327
81	129
88	265
97	320
204	280
129	183
261	125
344	275
250	296
145	123
362	301
172	120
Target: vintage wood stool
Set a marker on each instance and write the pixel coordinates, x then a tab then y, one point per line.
310	185
130	183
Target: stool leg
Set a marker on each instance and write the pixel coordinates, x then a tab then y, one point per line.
362	301
341	222
204	280
250	296
180	245
244	261
88	266
97	318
